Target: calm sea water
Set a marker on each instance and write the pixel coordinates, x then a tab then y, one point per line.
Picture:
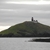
22	44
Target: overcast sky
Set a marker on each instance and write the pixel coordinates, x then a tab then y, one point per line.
16	11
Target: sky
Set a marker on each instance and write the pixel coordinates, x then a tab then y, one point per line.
17	11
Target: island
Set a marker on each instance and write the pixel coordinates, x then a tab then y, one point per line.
31	28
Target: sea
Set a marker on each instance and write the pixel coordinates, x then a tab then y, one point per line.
22	44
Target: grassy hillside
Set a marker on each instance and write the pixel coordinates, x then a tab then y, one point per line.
27	29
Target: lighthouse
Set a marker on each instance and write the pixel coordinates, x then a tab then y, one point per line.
35	21
32	19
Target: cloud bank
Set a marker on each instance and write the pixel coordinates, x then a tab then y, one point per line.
12	13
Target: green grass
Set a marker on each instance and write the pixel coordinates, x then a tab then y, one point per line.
27	29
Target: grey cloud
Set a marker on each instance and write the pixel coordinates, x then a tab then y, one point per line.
23	6
12	18
21	12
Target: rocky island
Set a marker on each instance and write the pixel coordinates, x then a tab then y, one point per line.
27	29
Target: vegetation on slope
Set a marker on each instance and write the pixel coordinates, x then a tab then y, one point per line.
27	29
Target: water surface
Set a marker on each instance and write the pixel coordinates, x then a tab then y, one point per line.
22	44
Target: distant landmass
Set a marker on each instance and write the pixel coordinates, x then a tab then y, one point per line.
27	29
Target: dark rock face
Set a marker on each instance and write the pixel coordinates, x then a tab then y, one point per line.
40	40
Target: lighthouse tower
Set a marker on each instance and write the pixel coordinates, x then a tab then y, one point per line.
35	21
32	19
